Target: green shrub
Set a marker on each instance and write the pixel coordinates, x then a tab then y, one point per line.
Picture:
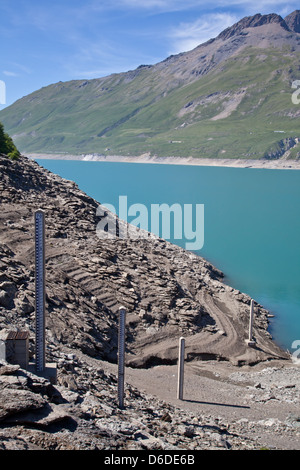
14	155
7	146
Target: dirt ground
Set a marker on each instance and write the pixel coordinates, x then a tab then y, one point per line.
265	397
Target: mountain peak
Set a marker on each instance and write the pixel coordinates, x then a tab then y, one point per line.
252	22
293	21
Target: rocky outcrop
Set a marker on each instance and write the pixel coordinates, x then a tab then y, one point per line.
281	148
252	22
293	21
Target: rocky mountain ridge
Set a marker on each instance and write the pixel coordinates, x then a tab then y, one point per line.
259	20
293	21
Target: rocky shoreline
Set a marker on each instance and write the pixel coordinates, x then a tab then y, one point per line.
282	163
168	292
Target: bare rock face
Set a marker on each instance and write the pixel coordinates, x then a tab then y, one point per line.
252	22
293	21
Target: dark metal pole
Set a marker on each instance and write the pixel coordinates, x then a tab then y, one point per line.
121	355
40	290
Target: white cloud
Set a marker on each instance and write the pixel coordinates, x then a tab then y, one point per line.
187	36
9	74
161	5
178	5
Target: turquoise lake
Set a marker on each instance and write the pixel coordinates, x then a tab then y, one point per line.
251	222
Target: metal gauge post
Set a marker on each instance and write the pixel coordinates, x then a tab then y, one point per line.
40	289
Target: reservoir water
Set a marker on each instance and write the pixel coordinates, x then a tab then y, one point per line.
251	223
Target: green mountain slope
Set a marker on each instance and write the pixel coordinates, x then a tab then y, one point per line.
230	97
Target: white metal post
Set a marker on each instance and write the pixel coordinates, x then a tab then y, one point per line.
250	341
251	320
181	368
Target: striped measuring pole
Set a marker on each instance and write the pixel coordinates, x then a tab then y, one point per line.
40	290
121	355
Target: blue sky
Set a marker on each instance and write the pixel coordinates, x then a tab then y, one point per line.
43	42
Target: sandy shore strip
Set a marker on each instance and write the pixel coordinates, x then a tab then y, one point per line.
280	164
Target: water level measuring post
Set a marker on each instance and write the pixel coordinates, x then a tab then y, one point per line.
251	321
40	290
181	368
121	356
251	341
